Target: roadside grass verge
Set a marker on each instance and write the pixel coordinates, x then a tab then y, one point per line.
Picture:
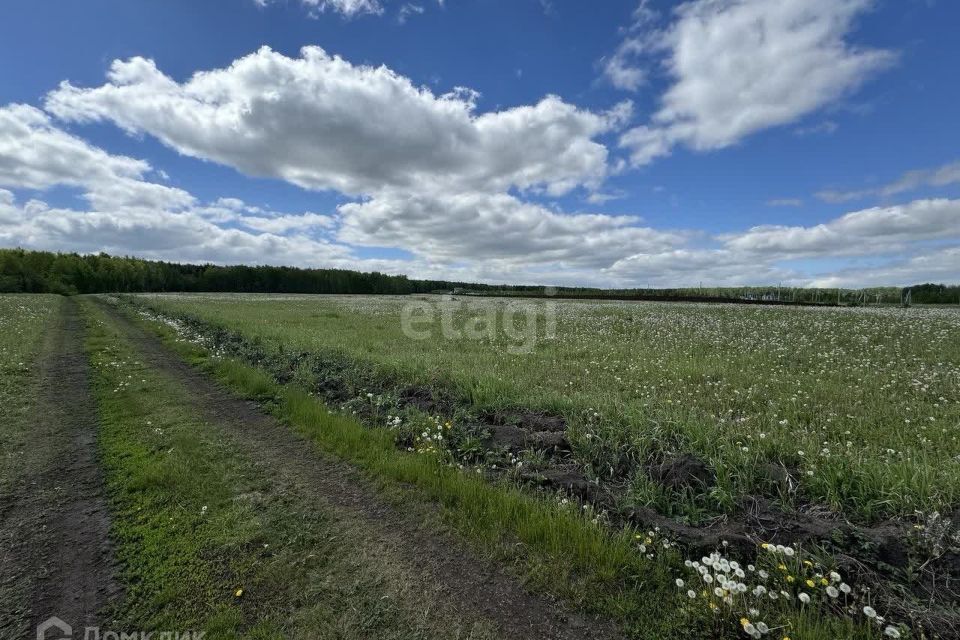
553	546
209	541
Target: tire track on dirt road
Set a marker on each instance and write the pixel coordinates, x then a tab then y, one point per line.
58	523
444	567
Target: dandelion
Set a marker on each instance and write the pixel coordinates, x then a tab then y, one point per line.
680	582
692	594
832	591
891	632
238	593
869	611
804	598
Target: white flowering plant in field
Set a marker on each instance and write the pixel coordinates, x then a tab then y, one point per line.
761	597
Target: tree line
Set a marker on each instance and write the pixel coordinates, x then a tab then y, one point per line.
23	271
71	273
935	294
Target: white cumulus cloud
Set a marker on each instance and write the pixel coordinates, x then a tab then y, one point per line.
870	231
320	122
482	227
740	66
35	154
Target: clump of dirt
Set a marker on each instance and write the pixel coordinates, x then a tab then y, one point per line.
683	472
516	439
758	519
529	420
886	543
516	430
697	540
567	480
420	398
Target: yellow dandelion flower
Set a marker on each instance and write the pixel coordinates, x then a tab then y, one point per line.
744	622
238	593
790	578
811	584
782	567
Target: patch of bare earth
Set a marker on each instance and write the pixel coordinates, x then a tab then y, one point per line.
55	522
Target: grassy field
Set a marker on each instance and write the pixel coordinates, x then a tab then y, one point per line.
861	405
846	414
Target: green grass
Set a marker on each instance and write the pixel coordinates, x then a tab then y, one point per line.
195	520
556	547
562	552
24	322
861	404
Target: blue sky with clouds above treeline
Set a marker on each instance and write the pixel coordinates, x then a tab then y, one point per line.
634	143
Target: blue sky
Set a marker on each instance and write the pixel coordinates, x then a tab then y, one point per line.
614	143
